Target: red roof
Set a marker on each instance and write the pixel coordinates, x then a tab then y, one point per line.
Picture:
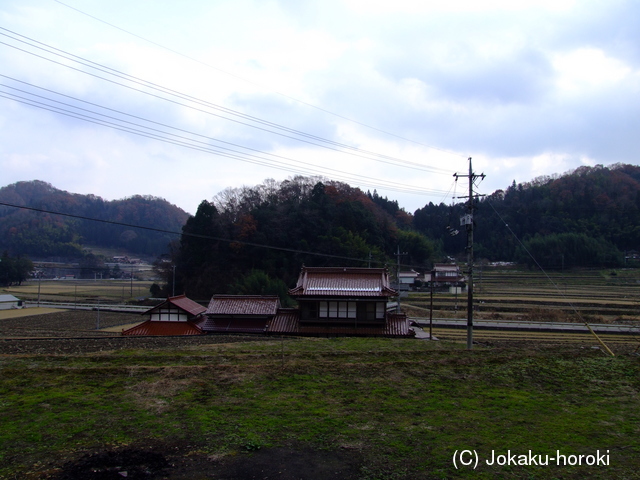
183	303
164	329
243	305
288	322
343	282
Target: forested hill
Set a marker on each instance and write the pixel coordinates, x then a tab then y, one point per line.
36	234
585	218
588	217
310	221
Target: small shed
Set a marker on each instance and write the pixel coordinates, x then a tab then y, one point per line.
177	315
8	302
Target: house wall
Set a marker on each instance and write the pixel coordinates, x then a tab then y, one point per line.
342	311
9	305
169	315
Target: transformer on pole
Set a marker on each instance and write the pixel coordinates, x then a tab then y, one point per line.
468	222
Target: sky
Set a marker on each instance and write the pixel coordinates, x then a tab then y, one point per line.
182	100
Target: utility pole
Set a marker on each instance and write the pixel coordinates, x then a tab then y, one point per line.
398	254
467	221
173	282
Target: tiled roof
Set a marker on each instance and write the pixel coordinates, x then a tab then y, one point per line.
183	303
344	282
286	321
243	305
234	325
164	329
446	267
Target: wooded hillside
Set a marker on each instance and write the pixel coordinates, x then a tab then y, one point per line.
38	234
588	217
585	218
306	221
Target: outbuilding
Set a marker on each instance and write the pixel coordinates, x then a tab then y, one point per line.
9	302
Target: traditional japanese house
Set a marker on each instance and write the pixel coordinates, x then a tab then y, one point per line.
342	301
240	313
177	315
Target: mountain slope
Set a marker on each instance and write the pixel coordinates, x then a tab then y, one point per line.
39	234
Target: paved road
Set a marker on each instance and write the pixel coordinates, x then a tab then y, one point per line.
528	326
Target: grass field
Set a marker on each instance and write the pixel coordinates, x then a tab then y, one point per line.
399	408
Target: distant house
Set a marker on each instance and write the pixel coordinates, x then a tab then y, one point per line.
177	315
8	302
446	275
240	313
407	279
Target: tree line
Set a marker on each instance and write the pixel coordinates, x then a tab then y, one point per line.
585	218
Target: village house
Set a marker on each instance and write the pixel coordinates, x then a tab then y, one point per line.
447	276
177	315
342	301
333	301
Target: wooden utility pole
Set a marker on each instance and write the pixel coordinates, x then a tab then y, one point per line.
467	221
398	255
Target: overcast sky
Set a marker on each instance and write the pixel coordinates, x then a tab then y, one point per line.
391	95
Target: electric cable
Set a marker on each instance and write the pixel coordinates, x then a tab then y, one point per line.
175	52
203	146
311	139
555	285
199	236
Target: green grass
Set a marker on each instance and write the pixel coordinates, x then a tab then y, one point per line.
407	405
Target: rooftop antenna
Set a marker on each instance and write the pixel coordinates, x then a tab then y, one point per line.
467	221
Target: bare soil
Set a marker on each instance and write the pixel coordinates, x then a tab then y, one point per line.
173	463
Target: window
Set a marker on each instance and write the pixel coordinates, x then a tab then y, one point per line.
337	309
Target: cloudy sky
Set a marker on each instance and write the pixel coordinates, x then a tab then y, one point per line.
183	99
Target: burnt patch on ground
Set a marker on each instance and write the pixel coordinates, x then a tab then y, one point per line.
115	465
282	463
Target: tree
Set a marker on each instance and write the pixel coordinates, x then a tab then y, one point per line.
258	282
14	270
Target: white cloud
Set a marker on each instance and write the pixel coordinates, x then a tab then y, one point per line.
526	88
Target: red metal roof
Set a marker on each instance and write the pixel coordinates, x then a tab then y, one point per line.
288	322
243	305
164	329
343	282
183	303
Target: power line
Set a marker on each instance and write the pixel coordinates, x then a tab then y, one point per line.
195	235
289	132
200	145
175	52
555	285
